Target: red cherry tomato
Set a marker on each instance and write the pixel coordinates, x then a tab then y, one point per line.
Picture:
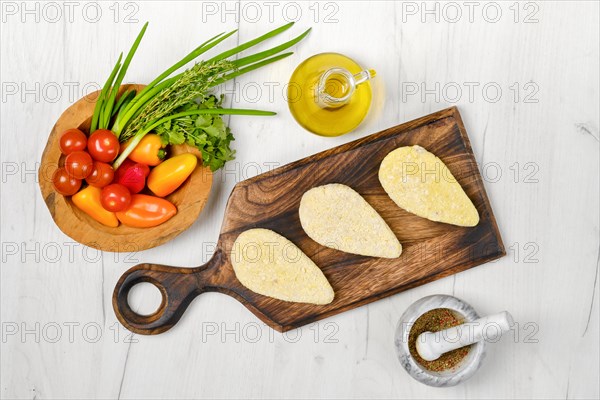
102	174
72	140
79	164
65	184
103	145
115	197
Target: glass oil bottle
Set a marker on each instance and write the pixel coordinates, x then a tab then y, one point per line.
330	94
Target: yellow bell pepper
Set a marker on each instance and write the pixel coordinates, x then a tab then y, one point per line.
148	151
88	201
167	176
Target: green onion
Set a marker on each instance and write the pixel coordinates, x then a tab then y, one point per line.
101	97
144	96
136	114
260	59
122	71
220	111
106	99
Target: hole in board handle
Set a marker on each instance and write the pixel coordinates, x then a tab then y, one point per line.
145	298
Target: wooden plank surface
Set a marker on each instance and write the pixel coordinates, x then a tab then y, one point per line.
537	153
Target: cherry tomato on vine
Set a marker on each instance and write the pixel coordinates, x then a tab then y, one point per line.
72	140
65	184
103	145
102	174
115	197
79	164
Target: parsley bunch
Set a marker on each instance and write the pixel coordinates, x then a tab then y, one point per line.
207	132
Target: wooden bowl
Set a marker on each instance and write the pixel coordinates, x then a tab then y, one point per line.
190	198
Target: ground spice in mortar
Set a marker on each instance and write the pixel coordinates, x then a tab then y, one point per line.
433	321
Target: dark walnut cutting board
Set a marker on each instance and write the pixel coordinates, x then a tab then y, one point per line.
431	250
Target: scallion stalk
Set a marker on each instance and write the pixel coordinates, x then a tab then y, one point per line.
219	111
260	59
136	114
101	97
117	85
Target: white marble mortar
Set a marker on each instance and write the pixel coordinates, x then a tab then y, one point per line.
463	371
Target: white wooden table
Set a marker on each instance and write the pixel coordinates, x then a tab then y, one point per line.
525	78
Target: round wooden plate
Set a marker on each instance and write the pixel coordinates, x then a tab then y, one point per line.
190	198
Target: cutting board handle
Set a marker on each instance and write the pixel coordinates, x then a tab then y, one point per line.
178	287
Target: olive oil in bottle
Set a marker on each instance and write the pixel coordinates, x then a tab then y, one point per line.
329	94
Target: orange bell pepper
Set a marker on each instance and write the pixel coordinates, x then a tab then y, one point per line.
165	178
146	211
88	201
149	151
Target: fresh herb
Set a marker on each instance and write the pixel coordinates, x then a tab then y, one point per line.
167	99
208	133
192	84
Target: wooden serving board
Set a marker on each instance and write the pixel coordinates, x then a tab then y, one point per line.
431	250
